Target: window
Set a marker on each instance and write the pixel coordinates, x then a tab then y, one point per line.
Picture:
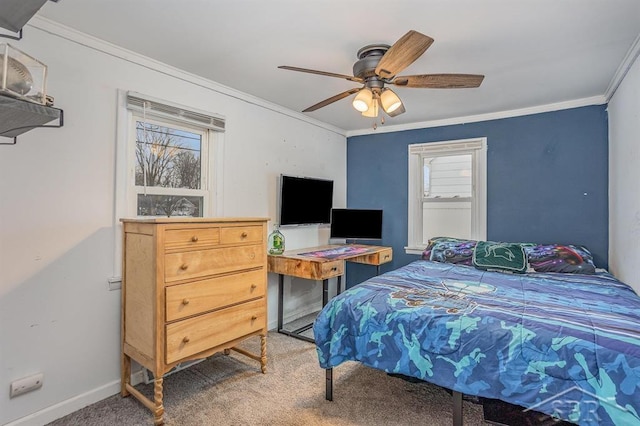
171	167
169	161
447	191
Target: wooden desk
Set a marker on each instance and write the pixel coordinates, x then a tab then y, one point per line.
321	263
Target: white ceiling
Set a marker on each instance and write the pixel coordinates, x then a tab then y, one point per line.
532	52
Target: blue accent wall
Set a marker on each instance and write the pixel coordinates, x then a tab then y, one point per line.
547	180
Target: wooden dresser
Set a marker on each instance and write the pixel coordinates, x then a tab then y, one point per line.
191	287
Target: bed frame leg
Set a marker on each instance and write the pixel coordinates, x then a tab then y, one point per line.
329	384
457	408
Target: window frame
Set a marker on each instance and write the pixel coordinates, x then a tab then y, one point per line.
477	147
124	201
205	165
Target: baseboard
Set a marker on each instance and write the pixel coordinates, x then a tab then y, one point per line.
61	409
138	377
307	309
68	406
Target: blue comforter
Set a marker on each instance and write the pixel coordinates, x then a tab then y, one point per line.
562	344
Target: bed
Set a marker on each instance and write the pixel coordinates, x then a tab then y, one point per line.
564	344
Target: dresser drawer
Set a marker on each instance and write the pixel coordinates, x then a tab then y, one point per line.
191	238
194	335
241	234
201	263
194	298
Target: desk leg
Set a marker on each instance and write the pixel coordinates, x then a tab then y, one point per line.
339	284
294	333
280	301
377	269
325	292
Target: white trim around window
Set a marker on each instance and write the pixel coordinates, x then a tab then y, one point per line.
477	147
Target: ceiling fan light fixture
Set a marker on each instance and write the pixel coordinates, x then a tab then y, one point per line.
380	64
373	109
396	112
390	101
363	100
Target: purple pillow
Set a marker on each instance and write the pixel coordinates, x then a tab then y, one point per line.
450	250
564	258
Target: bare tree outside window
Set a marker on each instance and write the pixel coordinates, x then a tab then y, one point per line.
169	158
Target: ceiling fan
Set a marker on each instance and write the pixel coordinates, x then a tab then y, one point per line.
378	65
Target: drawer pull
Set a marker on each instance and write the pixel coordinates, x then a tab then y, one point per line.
194	238
252	256
186	339
185	301
184	266
244	235
253	286
386	257
334	269
253	318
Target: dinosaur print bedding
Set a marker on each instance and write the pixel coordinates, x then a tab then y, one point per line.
562	344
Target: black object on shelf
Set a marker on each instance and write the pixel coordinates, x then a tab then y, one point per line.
18	116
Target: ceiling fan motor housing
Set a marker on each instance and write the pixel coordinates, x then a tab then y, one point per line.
369	56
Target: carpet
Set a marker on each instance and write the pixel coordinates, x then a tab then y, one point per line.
231	390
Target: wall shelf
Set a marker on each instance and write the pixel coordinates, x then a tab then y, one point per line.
18	116
14	14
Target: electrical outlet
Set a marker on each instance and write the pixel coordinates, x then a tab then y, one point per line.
115	283
26	384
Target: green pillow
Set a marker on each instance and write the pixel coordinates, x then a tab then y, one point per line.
503	257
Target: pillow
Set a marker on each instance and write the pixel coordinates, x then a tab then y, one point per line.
449	250
502	257
426	254
568	259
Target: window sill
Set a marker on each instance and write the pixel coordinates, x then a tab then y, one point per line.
414	250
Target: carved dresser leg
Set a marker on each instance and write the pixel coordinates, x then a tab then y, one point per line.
263	353
158	413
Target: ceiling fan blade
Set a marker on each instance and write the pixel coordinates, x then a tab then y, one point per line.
439	81
328	74
332	99
402	54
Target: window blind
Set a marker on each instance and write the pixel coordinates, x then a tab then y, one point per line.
163	109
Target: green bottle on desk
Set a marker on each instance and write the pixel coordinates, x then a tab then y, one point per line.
276	241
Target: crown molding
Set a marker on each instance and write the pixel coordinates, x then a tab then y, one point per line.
623	69
91	42
594	100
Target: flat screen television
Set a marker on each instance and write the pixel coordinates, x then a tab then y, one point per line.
305	200
356	224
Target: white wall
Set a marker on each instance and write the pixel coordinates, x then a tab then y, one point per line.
57	220
624	178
